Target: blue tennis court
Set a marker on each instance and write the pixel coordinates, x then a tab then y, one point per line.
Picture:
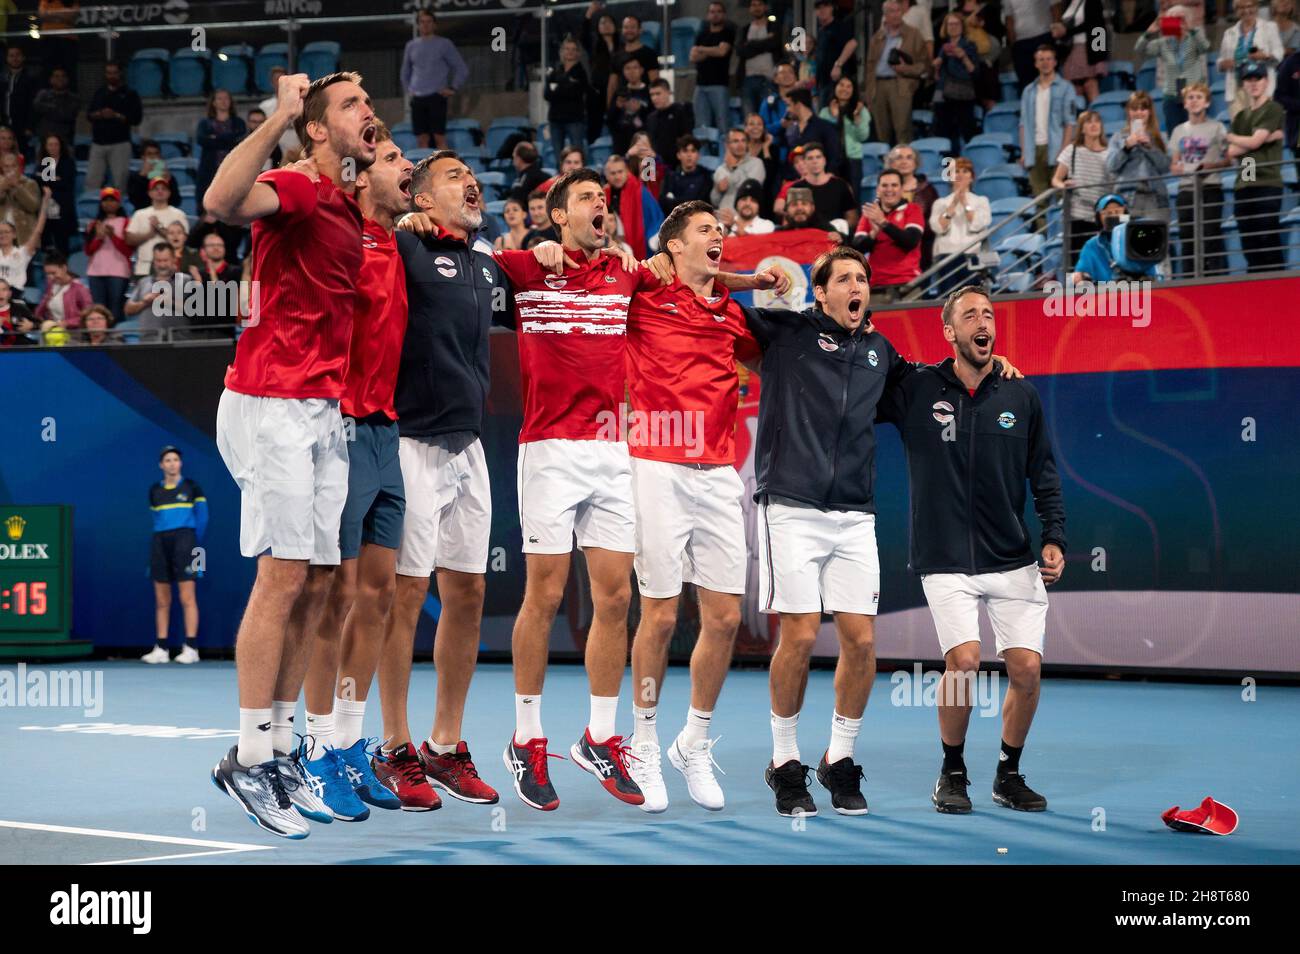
131	784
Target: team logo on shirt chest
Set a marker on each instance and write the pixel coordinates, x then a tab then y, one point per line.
446	267
827	343
873	359
555	282
487	276
1006	420
942	412
610	279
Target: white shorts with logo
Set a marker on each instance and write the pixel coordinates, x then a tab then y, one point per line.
290	460
813	560
690	527
448	520
570	486
1016	601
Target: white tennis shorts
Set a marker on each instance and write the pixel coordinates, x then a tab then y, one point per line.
290	460
690	527
813	560
570	486
1016	601
448	518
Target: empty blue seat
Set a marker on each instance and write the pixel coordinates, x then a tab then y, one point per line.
984	156
651	33
1009	86
1012	169
998	187
1146	76
174	145
932	144
1001	208
415	155
232	68
406	141
273	54
501	129
493	184
683	31
457	139
710	163
87	206
600	149
922	121
319	58
146	73
187	73
1003	118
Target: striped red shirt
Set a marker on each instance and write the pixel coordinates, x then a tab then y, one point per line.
571	331
306	261
378	326
682	377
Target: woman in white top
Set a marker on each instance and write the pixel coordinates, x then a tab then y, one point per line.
15	258
959	221
1081	167
1247	34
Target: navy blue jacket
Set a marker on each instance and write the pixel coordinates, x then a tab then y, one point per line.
968	459
451	290
816	438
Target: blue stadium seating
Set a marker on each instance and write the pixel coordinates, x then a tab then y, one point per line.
406	141
1012	169
710	162
1009	84
984	155
922	122
174	145
1003	118
933	144
187	74
1146	76
147	71
651	32
710	140
1001	208
998	187
493	184
683	31
501	129
600	149
319	58
232	68
272	54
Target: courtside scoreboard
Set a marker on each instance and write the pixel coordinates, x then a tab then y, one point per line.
36	581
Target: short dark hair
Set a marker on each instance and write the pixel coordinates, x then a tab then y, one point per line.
558	196
889	172
813	146
170	449
569	150
687	142
661	83
526	151
950	303
801	96
824	264
537	194
633	16
679	218
422	174
1046	47
314	103
149	144
54	257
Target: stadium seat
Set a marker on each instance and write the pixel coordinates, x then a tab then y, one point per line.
1115	96
415	155
493	185
922	122
871	166
1009	84
319	58
1120	75
710	162
174	145
232	67
710	140
600	149
1050	263
682	31
1110	112
931	165
501	129
876	149
1020	252
1013	283
1001	208
406	127
984	155
1003	118
147	72
272	54
933	144
1146	76
651	32
189	203
998	187
87	206
77	262
736	111
1291	223
187	74
406	141
1011	169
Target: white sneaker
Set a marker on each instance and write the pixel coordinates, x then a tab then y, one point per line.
696	763
646	770
155	656
187	656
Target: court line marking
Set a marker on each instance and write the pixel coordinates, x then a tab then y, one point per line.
229	846
190	854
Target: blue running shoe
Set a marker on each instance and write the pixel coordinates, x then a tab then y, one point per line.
356	761
338	794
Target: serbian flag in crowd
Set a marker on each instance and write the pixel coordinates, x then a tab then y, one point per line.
793	252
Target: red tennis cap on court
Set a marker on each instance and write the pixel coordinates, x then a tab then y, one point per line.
1212	817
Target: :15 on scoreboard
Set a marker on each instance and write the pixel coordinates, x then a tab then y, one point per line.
35	573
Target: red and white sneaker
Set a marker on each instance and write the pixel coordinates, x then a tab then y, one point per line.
456	775
402	773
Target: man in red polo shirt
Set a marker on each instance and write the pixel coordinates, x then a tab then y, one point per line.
889	234
278	424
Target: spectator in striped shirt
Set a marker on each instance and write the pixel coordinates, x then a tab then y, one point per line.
1081	168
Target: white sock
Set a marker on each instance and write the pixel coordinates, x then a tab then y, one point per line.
348	716
785	744
282	725
604	713
844	732
254	737
643	725
320	726
528	718
439	749
697	727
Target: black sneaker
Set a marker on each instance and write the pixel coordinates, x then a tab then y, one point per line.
949	794
262	792
1010	791
790	782
844	781
608	762
527	766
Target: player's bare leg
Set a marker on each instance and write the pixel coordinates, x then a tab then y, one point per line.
455	650
162	611
855	672
259	644
961	664
363	629
787	683
323	668
396	656
304	619
1024	670
611	595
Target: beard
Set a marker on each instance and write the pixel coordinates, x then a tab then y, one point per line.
469	219
967	351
